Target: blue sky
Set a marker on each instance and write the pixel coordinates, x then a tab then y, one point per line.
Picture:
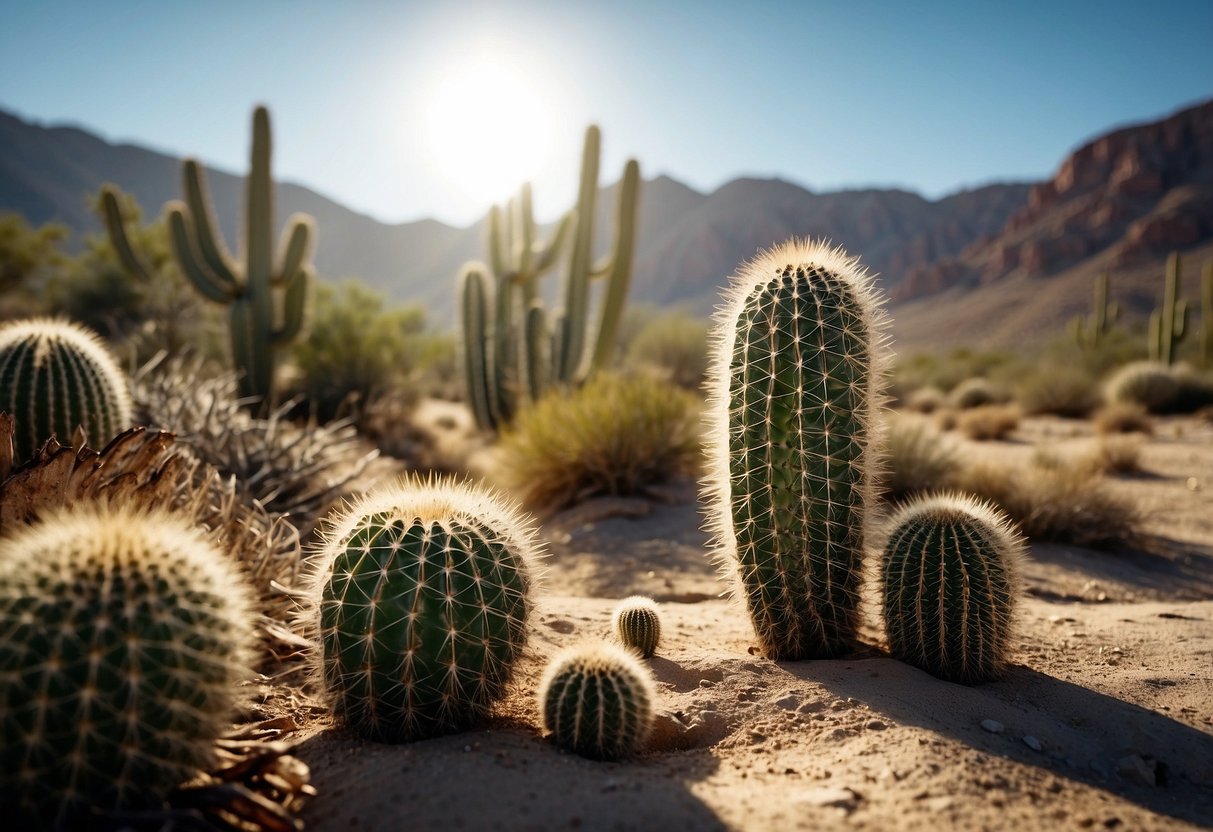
927	96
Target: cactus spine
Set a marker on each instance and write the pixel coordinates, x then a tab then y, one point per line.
421	601
1089	330
56	376
266	300
122	637
637	624
1169	323
597	701
513	352
1206	314
950	573
793	391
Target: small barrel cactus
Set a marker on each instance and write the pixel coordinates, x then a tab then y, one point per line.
56	376
122	637
637	624
597	701
420	601
1150	384
951	579
793	390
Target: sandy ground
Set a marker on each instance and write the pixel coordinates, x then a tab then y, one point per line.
1106	720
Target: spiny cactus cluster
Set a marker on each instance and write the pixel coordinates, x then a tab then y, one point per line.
420	601
597	701
122	637
55	377
793	390
950	580
637	624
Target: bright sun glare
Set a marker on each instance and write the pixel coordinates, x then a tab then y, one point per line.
488	128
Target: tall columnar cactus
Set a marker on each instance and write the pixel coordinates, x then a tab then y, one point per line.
1089	330
799	347
420	601
637	624
1169	323
123	635
597	701
56	376
950	581
514	352
267	298
1206	314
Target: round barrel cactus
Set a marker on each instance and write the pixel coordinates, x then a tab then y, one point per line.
793	391
597	701
637	624
56	376
122	637
420	602
950	582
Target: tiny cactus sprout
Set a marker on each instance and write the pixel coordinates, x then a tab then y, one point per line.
420	600
123	635
793	387
56	376
637	624
951	579
597	701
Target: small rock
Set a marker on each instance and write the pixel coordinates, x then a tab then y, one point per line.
1032	743
993	726
876	725
1136	770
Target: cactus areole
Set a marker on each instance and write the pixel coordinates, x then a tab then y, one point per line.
792	389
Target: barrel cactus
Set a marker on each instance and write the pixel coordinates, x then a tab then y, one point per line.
597	701
122	636
1150	384
420	601
637	624
950	575
56	376
799	348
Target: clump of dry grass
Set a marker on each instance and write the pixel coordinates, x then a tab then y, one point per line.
1119	454
614	436
917	459
926	400
947	418
1061	391
1124	417
991	421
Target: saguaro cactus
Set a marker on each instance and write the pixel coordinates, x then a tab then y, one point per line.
56	376
1169	323
266	299
793	391
513	352
950	575
1089	330
123	635
420	601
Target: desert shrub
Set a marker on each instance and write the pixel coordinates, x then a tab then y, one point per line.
1059	502
1193	389
27	256
675	345
976	392
616	435
917	458
1124	417
1061	391
1117	347
1146	383
949	370
1120	454
987	422
947	418
925	400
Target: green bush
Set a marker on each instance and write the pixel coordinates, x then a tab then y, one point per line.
1061	391
675	346
976	392
616	435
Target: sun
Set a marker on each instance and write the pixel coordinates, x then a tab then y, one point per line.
488	128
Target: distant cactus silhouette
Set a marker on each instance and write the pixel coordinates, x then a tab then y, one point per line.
1169	322
637	624
420	600
799	347
950	582
1090	330
56	376
598	702
122	637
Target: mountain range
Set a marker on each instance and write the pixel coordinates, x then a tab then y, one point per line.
993	264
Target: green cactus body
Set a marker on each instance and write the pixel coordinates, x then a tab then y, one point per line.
1169	323
597	701
637	624
421	602
1090	330
122	637
950	579
793	395
56	376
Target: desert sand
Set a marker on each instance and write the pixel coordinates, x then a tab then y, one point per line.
1104	722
